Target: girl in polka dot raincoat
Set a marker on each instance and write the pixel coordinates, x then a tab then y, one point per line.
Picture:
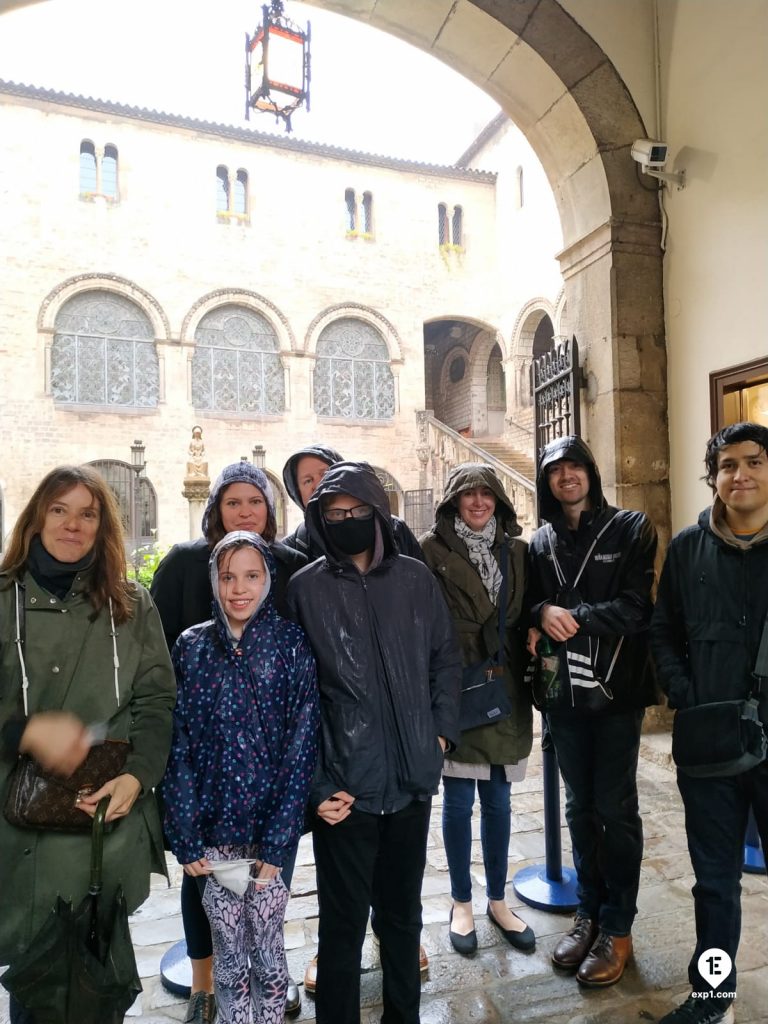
242	759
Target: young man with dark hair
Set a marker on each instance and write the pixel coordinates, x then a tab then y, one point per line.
591	572
705	636
389	672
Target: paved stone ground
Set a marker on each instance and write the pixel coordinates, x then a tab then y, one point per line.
500	985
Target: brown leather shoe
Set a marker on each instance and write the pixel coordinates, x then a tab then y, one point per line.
605	962
423	961
310	975
574	946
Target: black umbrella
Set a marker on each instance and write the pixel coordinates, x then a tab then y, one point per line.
80	968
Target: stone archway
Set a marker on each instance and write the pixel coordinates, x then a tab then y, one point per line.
554	80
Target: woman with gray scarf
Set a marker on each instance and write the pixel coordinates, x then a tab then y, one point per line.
474	536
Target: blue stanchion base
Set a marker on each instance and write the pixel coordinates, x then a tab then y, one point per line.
176	971
754	861
534	888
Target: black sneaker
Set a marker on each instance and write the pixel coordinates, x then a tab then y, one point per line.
700	1011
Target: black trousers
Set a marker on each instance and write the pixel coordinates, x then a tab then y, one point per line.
598	761
18	1014
716	812
370	861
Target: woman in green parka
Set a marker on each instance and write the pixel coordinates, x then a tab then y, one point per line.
474	523
93	648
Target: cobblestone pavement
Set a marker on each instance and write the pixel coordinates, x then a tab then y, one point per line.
500	985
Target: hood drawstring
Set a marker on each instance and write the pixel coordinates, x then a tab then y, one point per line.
115	659
19	642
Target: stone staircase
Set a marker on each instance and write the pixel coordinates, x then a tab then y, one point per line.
501	450
448	448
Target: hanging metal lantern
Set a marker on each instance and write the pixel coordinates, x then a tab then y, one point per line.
277	62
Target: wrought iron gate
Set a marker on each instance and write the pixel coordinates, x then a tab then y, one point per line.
555	388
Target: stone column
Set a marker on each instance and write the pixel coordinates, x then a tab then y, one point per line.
613	283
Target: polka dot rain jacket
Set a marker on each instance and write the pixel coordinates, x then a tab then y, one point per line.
244	732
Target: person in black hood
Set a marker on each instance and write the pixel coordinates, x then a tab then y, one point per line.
706	632
301	475
590	578
389	672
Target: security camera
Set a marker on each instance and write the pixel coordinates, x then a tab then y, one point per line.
652	156
648	153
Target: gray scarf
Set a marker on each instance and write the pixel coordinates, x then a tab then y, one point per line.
480	554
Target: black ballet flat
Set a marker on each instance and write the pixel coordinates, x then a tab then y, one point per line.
525	940
464	944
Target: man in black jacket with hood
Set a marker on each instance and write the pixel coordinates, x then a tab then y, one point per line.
591	572
705	636
389	671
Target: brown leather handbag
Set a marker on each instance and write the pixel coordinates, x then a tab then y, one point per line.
38	799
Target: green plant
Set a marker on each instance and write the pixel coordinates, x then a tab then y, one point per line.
149	557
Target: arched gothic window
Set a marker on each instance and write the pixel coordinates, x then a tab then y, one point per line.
457	226
443	234
222	189
352	375
236	366
240	203
109	172
350	209
368	213
87	167
136	499
103	353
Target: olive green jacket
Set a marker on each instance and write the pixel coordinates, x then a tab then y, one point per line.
476	618
69	661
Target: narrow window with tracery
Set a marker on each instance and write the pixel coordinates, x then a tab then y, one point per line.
350	209
443	237
240	205
109	172
222	189
368	213
88	178
457	226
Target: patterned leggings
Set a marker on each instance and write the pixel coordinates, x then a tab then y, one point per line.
250	972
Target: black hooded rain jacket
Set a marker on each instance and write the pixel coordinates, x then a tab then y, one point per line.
388	660
613	599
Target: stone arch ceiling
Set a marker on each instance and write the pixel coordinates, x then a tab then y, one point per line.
548	75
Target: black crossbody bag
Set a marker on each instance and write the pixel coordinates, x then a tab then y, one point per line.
725	737
484	699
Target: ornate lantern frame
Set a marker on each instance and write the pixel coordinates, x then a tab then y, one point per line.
270	53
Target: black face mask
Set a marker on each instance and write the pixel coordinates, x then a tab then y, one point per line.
352	536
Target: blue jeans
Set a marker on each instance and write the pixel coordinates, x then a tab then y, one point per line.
597	755
458	798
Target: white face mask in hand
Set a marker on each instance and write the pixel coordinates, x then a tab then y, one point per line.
234	875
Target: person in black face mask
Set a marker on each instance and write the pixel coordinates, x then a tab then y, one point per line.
389	672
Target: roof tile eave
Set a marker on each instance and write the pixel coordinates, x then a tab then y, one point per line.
247	135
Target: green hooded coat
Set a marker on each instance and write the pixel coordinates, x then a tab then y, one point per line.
476	618
69	662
